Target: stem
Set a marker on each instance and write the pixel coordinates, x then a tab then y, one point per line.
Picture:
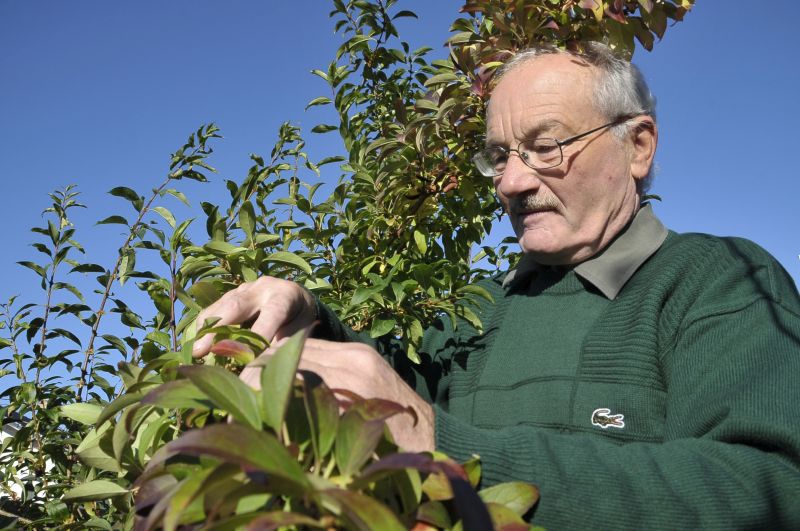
172	328
40	463
88	354
10	324
19	518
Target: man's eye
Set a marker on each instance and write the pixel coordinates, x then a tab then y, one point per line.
542	146
498	156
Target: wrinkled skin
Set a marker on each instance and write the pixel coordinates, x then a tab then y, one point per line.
567	214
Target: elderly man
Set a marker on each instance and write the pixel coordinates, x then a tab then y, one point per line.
641	378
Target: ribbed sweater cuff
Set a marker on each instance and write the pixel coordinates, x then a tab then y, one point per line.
457	439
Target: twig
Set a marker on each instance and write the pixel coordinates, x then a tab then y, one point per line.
19	518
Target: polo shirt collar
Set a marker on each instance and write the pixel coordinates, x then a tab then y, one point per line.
610	270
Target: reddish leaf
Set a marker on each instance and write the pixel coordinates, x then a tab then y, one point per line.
394	463
504	519
251	449
230	348
362	512
435	514
277	519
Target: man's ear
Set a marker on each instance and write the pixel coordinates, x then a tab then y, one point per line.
644	138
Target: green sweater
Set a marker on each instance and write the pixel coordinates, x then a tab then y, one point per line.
675	408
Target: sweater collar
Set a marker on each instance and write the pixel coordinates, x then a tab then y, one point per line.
610	270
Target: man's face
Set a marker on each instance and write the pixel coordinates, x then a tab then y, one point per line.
563	215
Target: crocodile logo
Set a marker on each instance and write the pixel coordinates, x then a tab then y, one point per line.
602	417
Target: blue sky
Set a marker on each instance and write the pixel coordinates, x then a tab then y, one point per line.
99	93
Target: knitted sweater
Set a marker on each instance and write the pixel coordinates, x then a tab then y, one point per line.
680	409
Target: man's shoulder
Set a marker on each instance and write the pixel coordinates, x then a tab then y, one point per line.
709	248
725	265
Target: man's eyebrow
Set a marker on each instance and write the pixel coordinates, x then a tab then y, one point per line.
531	132
544	126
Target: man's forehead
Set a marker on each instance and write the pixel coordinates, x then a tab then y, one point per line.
546	73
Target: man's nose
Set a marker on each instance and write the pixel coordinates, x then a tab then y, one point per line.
517	178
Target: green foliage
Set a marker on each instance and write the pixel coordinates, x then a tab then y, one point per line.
115	425
281	454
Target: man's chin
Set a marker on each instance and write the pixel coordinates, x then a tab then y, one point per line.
545	250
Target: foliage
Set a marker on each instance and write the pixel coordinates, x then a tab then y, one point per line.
394	244
287	457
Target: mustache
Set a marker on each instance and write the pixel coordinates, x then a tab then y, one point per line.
533	203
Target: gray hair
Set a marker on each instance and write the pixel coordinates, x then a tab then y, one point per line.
620	89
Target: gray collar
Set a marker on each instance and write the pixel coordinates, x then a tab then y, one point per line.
609	270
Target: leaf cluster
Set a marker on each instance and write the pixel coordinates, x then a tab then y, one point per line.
294	453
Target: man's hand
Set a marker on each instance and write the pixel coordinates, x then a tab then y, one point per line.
279	307
360	369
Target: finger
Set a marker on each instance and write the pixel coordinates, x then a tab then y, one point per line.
229	310
268	322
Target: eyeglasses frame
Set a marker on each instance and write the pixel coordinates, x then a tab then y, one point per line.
560	143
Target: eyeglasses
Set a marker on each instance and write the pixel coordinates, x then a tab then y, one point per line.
539	153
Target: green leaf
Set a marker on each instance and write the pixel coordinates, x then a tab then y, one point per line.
178	394
361	294
468	315
117	405
41	271
126	193
183	496
177	194
291	259
91	452
405	13
322	410
166	214
82	412
322	100
515	495
381	327
247	219
474	289
99	489
223	248
320	73
329	160
205	293
419	239
113	219
88	268
323	128
277	379
441	78
226	391
356	440
116	342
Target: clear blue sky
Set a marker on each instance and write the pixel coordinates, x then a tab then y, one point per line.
99	93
